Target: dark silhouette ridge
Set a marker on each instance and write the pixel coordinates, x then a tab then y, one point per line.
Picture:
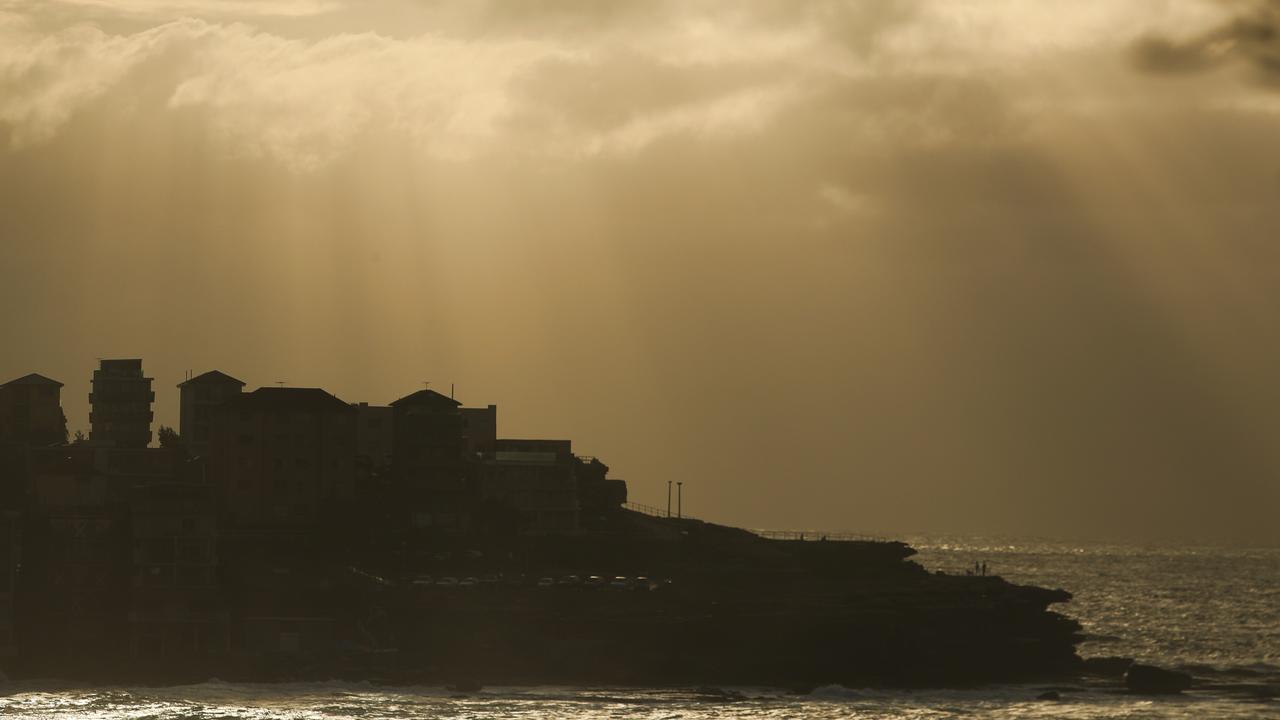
286	533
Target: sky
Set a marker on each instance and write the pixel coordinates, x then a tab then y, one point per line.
941	266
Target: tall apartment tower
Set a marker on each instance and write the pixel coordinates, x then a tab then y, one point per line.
200	395
120	405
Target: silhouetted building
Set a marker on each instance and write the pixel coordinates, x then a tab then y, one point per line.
75	575
281	457
199	396
223	551
31	411
13	476
120	403
430	461
176	612
10	560
536	479
597	493
479	429
375	434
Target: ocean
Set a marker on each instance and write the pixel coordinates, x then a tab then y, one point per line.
1213	612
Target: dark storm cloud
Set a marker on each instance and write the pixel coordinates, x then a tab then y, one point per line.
1251	37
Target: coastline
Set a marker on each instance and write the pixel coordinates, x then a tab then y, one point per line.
734	609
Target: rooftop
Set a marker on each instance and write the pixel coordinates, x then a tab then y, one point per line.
426	398
213	377
131	367
32	379
286	398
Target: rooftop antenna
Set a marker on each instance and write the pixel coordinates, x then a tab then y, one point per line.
450	391
426	384
280	383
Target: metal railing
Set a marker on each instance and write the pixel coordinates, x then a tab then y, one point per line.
652	511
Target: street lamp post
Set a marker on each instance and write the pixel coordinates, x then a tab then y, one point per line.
680	500
668	498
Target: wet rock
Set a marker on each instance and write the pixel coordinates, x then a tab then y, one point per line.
1151	680
1107	667
1050	695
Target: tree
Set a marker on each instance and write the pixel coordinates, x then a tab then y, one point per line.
168	437
80	437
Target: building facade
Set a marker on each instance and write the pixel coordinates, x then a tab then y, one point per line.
375	434
199	397
120	403
479	430
176	611
31	411
534	478
282	457
74	572
433	474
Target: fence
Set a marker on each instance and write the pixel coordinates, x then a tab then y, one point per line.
653	511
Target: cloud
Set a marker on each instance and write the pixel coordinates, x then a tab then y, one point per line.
44	79
304	101
198	8
570	78
1250	37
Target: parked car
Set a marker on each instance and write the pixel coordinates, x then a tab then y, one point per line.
620	583
595	581
546	582
447	582
641	583
569	581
